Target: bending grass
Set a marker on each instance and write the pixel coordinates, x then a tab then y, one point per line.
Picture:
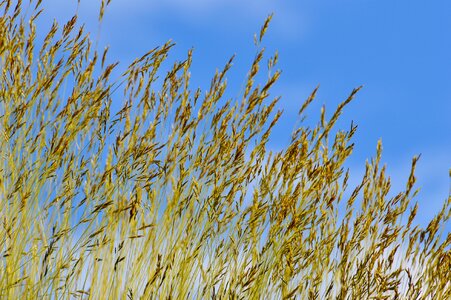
153	200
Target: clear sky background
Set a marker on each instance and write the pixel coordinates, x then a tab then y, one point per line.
399	50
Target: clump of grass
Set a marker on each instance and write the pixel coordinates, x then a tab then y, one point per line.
175	196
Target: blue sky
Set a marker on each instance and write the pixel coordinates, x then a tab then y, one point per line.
399	50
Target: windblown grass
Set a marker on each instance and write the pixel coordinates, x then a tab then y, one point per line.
154	201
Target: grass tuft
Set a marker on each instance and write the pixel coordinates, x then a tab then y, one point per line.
173	193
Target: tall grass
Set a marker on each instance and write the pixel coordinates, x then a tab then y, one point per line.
175	195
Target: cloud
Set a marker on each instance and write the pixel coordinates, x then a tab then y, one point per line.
288	22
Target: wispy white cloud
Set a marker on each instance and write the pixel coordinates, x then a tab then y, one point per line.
288	23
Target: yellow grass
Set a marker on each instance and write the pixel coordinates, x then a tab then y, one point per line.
175	196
